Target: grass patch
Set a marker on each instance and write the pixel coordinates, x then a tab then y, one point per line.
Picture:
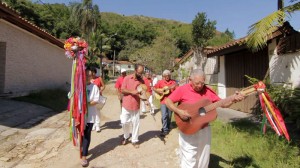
55	99
241	144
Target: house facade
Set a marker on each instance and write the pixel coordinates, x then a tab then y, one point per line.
226	66
191	60
114	67
30	58
280	63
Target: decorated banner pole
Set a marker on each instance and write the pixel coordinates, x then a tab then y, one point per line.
271	112
76	49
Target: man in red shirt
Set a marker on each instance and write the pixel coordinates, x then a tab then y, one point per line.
148	81
119	84
130	114
164	88
195	148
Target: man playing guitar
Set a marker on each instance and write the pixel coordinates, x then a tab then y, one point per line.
195	148
170	84
130	113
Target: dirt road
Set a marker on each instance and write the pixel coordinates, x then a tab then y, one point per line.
106	151
42	141
47	144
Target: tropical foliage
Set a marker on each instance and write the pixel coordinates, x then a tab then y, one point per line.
152	41
260	31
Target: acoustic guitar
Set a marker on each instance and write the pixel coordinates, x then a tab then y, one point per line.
142	89
203	112
144	95
165	90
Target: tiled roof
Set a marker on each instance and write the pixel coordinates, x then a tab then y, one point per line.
189	54
286	28
186	56
237	42
10	15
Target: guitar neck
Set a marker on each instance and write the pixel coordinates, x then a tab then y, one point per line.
246	91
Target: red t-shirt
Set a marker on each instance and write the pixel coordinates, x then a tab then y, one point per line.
186	94
148	84
119	82
131	102
162	83
97	82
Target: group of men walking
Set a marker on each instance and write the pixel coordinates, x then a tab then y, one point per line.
195	148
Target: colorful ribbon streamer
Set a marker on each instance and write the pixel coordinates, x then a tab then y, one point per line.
271	112
78	100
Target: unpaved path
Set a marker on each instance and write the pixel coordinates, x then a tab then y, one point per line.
106	151
43	140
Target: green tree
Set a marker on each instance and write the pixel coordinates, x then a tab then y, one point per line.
158	56
203	30
221	39
183	36
130	47
26	9
85	14
229	34
260	31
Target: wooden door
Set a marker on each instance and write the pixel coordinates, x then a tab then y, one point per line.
242	63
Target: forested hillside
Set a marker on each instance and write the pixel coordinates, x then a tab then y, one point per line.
151	41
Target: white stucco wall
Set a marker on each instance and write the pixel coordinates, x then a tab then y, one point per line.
208	65
221	79
188	65
284	68
32	63
211	70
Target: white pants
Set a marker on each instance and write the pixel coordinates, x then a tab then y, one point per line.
128	119
144	107
97	120
195	149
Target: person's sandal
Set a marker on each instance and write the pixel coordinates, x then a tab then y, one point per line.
124	141
136	145
84	163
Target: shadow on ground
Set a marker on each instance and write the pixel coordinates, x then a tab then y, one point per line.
239	162
111	125
18	114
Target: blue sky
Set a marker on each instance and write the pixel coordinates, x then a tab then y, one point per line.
236	15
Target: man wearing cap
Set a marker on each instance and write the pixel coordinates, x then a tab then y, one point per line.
119	84
164	88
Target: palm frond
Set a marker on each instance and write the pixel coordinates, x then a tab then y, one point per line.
260	31
292	8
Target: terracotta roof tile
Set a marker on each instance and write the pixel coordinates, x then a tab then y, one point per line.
12	16
286	28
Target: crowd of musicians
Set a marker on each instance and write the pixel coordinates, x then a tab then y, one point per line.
194	148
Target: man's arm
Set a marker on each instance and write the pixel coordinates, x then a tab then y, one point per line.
184	115
102	85
235	98
132	92
157	89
